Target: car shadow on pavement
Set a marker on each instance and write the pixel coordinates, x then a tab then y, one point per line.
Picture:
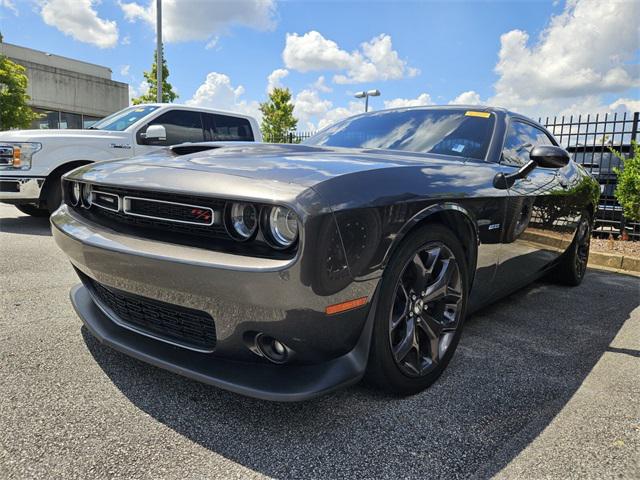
26	225
518	364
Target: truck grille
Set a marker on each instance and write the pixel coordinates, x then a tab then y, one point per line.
187	327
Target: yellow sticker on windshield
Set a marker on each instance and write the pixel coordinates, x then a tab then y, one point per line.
471	113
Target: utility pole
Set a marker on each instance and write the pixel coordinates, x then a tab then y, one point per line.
159	49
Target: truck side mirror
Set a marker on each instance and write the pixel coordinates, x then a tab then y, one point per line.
155	133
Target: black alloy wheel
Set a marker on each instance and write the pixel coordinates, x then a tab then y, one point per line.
573	265
426	309
583	243
420	311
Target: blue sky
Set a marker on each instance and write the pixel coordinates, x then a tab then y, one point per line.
537	57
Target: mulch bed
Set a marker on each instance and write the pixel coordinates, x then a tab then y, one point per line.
631	249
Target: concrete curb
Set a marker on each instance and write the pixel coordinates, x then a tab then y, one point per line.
616	261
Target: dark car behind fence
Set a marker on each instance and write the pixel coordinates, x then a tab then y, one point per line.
589	139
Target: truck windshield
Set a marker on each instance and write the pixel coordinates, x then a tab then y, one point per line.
121	120
430	130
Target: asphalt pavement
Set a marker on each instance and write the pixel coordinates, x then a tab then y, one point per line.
545	384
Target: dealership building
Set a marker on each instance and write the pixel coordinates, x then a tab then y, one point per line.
67	93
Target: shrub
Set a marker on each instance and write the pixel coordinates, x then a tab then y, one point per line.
628	190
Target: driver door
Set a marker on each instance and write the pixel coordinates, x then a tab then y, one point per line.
181	126
533	232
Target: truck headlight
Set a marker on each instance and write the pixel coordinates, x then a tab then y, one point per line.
18	155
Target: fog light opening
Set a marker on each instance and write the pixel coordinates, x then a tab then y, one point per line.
272	349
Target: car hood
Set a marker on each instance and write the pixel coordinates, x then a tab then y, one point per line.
57	134
296	164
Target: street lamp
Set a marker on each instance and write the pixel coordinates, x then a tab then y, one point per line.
366	95
159	50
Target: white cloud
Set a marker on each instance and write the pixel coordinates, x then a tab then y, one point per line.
213	43
275	78
340	113
309	107
9	5
420	100
585	51
467	98
136	91
321	86
375	60
628	104
79	19
218	92
124	70
185	20
126	40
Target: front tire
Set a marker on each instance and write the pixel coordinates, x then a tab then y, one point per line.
32	210
420	311
54	195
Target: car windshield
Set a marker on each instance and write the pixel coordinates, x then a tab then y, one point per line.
457	132
121	120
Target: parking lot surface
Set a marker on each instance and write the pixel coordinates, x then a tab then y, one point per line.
545	384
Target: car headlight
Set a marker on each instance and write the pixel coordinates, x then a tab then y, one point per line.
18	155
283	226
87	197
74	192
243	219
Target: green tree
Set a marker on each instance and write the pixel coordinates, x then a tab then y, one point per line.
277	115
14	111
168	95
628	189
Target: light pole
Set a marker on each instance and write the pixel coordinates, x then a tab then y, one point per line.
366	95
159	49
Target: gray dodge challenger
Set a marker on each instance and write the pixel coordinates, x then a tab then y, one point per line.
286	271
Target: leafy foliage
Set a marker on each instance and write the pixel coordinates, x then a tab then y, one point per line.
628	188
14	111
168	95
277	116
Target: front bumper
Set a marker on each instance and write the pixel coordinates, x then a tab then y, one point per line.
242	294
20	189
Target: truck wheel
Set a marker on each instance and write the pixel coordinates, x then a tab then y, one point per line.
54	195
32	210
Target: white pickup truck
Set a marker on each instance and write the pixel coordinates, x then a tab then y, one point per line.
32	161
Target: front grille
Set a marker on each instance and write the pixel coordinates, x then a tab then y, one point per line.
185	326
161	210
150	211
174	218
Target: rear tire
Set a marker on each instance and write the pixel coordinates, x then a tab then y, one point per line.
573	265
32	210
429	269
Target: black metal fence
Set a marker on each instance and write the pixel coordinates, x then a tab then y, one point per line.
589	139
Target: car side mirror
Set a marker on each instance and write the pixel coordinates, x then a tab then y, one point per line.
155	133
549	156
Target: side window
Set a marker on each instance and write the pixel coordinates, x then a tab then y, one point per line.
227	128
181	126
521	138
